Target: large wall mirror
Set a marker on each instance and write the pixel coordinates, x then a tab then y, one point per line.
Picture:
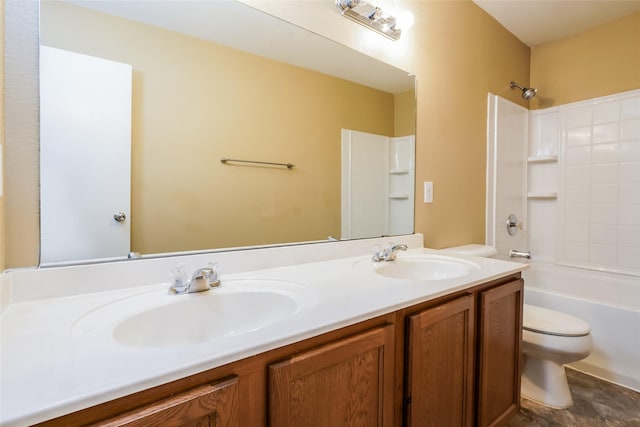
208	79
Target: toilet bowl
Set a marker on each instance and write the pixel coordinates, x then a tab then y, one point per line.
550	339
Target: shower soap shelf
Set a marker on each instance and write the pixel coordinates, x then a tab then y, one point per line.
542	159
543	195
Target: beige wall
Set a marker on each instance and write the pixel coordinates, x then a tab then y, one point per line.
598	62
195	102
404	113
460	54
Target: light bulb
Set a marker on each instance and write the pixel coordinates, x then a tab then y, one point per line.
404	20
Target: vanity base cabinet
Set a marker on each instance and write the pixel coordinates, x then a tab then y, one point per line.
462	363
499	364
214	405
349	382
439	369
450	361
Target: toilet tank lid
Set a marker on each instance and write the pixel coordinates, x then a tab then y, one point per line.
551	322
474	249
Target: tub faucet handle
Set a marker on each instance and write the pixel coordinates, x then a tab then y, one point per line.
519	254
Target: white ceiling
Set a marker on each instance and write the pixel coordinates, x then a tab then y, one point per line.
536	22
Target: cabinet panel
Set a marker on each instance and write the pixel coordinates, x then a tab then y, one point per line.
214	405
500	333
349	382
440	365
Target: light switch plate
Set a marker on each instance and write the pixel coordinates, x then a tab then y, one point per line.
428	192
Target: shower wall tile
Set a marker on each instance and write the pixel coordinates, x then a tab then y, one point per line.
606	132
603	234
630	150
579	136
578	213
629	194
576	253
605	153
599	191
603	255
629	236
604	194
630	172
604	173
576	175
603	214
629	214
630	129
577	194
580	155
577	116
628	258
606	112
630	108
577	233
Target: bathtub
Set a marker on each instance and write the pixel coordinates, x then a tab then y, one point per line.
609	302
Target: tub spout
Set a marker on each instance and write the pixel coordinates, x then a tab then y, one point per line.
519	254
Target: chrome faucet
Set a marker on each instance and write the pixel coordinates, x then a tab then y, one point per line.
202	280
388	254
519	254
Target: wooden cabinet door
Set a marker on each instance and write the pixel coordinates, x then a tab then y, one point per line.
500	338
214	405
440	365
349	382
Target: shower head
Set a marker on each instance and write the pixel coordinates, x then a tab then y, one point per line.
527	92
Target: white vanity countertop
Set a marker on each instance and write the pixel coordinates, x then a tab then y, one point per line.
47	371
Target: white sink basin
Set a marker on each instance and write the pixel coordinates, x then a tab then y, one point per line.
421	267
157	319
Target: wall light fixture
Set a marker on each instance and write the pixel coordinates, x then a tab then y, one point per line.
374	17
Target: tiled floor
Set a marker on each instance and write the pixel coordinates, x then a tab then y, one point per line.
595	403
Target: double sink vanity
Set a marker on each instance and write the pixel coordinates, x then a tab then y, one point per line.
304	335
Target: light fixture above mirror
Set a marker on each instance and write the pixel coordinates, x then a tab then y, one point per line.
388	23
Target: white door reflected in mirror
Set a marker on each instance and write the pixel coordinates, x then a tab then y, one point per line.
85	156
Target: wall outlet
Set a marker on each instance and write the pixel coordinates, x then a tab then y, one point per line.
428	192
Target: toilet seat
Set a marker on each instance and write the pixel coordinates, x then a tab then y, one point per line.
549	322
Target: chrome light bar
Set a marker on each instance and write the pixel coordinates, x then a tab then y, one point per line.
370	16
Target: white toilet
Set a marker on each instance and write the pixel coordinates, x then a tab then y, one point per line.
550	339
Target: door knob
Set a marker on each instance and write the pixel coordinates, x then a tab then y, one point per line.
120	217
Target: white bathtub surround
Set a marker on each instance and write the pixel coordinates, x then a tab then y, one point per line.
608	302
49	368
506	183
595	222
583	210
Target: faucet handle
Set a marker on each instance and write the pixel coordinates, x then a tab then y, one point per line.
378	253
178	275
214	274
